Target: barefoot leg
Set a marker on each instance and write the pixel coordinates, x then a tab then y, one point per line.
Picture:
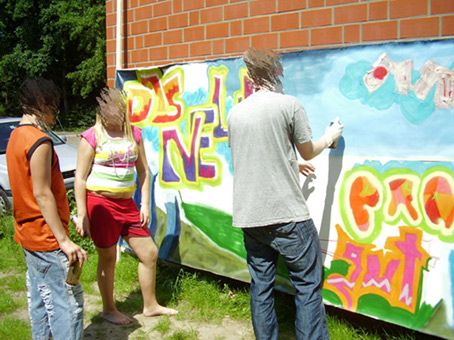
147	252
106	273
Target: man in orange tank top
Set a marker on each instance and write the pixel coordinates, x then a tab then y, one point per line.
41	213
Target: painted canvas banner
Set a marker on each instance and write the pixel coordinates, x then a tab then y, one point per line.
383	201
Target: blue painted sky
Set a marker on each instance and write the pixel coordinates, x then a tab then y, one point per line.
387	125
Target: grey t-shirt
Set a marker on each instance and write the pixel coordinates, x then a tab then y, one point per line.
263	131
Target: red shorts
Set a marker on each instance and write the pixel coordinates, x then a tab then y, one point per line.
111	218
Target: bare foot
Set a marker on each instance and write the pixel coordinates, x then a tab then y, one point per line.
116	318
159	310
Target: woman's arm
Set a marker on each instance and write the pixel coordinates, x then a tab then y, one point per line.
85	158
143	174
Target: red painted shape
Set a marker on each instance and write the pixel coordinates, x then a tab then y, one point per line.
380	72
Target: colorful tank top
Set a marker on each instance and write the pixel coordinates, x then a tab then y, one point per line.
113	168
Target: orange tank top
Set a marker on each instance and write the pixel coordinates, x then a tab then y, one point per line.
31	229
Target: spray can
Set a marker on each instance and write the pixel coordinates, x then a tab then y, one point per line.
334	143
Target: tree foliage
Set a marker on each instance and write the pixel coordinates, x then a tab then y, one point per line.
62	40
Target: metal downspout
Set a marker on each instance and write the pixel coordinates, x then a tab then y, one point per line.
119	61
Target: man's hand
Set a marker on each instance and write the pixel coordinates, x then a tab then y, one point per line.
305	168
333	132
74	252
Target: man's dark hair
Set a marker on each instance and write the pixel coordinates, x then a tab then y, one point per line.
36	93
264	67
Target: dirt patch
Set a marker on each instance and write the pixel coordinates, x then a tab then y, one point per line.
148	328
145	328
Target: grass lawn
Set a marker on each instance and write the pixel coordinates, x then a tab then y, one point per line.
200	298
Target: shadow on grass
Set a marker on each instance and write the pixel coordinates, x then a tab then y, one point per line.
132	304
110	331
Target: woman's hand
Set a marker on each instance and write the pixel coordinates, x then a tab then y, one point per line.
305	168
82	224
145	215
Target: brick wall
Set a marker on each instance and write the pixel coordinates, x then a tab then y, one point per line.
158	32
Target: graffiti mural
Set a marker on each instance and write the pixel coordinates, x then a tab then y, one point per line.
383	201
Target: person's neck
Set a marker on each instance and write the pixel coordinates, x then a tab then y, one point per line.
31	120
114	131
264	89
261	89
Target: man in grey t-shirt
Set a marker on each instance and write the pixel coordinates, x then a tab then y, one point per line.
265	131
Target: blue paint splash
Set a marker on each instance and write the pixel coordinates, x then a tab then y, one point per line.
413	109
151	134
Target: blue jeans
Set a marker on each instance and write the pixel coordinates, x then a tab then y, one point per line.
55	307
299	246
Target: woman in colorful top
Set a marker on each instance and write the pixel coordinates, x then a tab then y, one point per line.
109	153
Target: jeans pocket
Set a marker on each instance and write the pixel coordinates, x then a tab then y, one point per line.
285	229
306	230
37	262
298	242
289	240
